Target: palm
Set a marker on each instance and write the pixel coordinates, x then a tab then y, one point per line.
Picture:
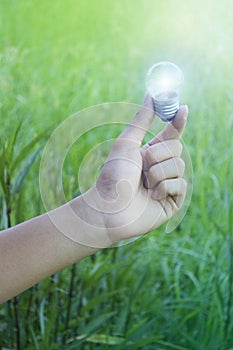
131	206
121	187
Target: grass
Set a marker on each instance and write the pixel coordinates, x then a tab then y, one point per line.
162	291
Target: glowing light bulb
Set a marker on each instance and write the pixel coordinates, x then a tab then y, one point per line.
164	81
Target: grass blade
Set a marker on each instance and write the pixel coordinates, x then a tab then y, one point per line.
24	171
27	149
11	141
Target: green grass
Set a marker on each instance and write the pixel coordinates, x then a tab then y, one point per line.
162	291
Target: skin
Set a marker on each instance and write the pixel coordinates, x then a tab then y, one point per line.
138	189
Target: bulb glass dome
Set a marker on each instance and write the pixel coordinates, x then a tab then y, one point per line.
164	81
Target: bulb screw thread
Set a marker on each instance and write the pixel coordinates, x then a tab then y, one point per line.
166	109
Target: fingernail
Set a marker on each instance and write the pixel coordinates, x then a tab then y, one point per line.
185	109
183	112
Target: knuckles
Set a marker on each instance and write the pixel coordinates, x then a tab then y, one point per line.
172	168
162	151
179	147
180	164
183	186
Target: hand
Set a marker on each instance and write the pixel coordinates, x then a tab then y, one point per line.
139	188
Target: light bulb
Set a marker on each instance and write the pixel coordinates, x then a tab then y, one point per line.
164	81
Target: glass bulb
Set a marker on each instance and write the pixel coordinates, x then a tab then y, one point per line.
164	81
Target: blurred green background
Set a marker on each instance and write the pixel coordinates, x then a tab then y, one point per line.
162	291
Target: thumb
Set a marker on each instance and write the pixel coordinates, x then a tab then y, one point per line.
174	129
138	127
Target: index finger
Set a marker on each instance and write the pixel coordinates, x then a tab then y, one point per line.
174	129
138	127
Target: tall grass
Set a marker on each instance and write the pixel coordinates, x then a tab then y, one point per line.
162	291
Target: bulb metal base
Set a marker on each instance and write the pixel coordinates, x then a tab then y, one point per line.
166	108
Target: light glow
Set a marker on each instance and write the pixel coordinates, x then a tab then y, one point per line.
164	81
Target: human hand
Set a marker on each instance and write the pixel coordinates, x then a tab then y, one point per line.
139	188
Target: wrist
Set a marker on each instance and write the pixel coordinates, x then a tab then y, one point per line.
87	214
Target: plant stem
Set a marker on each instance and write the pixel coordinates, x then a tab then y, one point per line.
15	299
17	326
27	318
9	217
230	291
8	198
70	297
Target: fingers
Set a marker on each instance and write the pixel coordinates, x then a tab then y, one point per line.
160	151
168	169
163	170
174	129
174	188
137	129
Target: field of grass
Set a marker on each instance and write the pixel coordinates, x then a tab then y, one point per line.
163	291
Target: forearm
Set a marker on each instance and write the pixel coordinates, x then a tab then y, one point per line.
39	247
118	206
